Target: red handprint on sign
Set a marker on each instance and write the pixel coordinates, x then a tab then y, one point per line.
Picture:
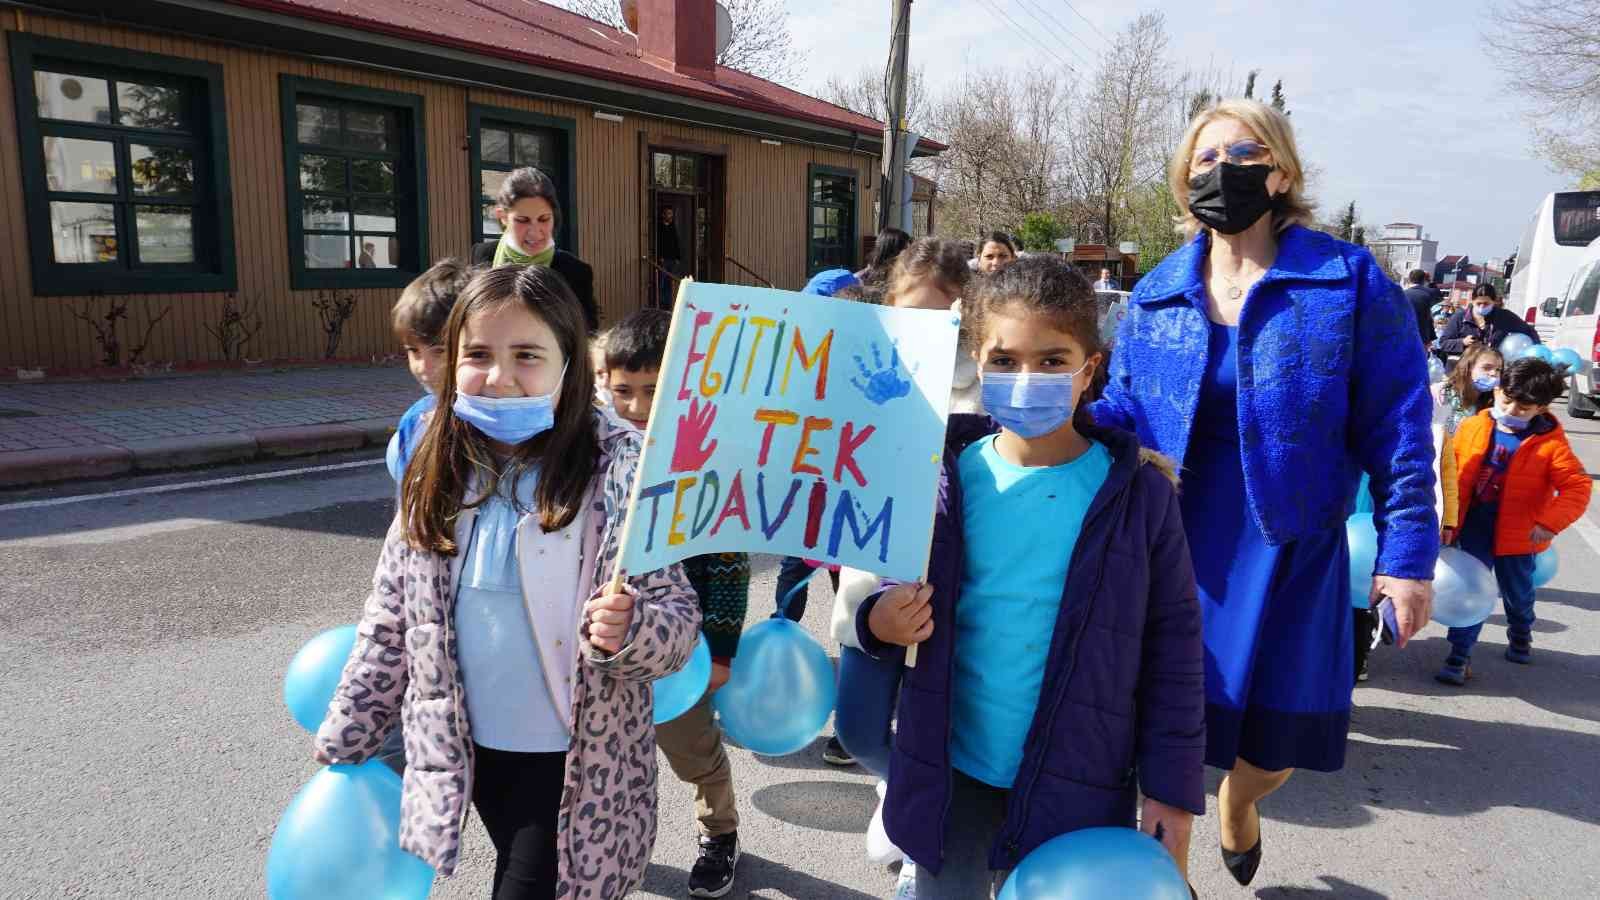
690	449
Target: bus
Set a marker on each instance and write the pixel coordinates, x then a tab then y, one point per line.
1565	223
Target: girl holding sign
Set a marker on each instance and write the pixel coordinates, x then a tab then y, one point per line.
493	635
1060	673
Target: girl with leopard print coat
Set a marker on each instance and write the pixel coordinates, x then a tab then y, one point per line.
492	636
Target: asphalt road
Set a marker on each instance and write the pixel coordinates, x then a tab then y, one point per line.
147	753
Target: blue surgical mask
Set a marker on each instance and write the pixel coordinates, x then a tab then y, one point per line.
1486	383
510	420
1484	309
1515	423
1029	404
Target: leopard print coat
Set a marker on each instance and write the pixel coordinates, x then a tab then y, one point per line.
403	669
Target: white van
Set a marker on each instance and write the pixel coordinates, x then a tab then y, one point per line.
1580	331
1563	225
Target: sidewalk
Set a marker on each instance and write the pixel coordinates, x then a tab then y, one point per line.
95	429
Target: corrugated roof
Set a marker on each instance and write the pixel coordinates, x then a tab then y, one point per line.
536	33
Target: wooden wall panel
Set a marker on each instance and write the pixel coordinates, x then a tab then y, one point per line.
765	208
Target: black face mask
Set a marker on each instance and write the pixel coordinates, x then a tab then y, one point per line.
1231	197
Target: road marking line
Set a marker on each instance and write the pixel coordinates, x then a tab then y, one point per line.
187	485
1589	531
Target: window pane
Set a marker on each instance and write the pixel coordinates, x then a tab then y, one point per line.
71	97
366	130
533	150
74	164
490	182
378	251
150	106
375	215
83	232
371	176
317	124
496	146
325	213
321	173
166	234
685	167
661	169
491	225
162	170
327	251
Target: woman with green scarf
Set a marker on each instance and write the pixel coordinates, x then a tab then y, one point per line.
529	213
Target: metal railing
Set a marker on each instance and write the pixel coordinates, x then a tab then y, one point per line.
749	271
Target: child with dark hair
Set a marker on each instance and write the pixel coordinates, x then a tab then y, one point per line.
418	319
692	742
1520	485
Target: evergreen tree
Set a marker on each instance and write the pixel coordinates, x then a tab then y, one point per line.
1278	102
1250	84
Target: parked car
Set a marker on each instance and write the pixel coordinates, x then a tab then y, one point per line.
1564	224
1579	330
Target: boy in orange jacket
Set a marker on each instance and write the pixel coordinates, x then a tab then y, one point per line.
1520	485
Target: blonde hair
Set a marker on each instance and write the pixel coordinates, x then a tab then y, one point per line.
1273	129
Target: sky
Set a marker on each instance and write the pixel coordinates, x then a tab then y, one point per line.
1397	103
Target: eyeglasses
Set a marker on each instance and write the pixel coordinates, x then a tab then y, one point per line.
1245	152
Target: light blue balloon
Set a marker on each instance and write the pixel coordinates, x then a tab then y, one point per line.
1512	345
780	692
1435	370
1362	537
313	675
677	693
340	840
1095	863
1464	590
1545	567
1568	360
1364	494
1537	351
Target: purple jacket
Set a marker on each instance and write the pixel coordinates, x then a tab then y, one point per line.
1124	685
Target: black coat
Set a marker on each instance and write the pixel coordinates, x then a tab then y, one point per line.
1500	324
1422	298
578	274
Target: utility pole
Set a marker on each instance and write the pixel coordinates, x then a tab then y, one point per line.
893	197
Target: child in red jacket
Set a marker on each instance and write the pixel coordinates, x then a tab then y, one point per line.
1520	485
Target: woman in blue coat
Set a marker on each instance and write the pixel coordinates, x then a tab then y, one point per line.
1277	364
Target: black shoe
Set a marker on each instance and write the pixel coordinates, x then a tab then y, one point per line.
1361	671
1243	866
712	875
834	753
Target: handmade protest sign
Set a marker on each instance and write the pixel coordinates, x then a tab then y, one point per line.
793	424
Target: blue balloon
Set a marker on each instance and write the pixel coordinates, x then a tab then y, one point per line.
1095	863
1435	370
1568	360
340	838
1464	590
1362	537
677	693
1545	567
1364	494
1512	345
780	692
313	675
1537	351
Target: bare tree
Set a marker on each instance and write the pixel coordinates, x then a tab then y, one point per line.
759	42
1550	52
864	93
1123	131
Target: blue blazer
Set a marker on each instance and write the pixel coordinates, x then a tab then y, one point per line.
1332	382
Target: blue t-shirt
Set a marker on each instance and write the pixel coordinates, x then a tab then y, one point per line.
1021	526
404	441
1492	476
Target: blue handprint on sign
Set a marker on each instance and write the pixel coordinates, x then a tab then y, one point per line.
882	383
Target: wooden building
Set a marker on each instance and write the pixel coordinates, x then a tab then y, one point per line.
204	181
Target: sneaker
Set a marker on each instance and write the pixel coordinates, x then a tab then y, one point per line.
712	875
1520	652
1456	670
834	753
905	887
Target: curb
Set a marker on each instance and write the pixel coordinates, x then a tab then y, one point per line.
28	468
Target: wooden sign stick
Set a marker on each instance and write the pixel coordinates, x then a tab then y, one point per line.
673	335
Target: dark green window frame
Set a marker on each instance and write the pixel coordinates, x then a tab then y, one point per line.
210	203
564	172
408	158
850	228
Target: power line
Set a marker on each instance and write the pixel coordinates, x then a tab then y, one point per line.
1086	19
1043	20
1029	35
